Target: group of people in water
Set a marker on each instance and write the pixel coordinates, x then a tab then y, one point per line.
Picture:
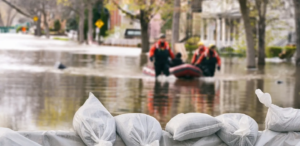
207	59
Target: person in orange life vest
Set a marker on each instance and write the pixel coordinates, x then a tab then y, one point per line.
201	49
160	53
207	61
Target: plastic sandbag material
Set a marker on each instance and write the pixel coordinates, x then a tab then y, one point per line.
212	140
192	125
272	138
94	124
36	136
238	130
54	138
279	119
61	138
9	137
138	129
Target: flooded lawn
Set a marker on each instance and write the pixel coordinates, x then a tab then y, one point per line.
35	96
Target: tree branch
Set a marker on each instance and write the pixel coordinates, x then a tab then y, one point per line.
124	11
16	8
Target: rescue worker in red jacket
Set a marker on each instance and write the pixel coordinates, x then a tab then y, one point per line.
160	53
208	60
201	49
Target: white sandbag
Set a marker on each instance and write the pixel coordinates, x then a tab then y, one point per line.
62	138
192	125
53	138
279	119
238	130
212	140
12	138
94	124
36	136
272	138
138	129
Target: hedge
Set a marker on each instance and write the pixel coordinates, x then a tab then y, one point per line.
273	51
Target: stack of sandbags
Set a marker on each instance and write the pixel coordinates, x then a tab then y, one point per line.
138	129
282	124
192	129
279	119
54	138
212	140
94	124
12	138
272	138
238	130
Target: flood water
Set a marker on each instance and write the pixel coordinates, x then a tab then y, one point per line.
35	96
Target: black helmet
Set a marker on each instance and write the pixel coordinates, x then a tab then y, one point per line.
178	55
163	36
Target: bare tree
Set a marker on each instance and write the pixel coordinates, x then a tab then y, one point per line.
78	7
297	24
16	8
31	8
249	34
176	22
147	9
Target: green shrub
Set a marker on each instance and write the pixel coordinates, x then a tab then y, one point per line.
61	39
288	52
227	50
20	29
240	52
57	25
273	51
193	41
191	48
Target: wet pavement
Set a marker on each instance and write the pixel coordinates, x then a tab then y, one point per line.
36	96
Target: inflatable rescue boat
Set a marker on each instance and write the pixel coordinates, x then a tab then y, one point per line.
181	71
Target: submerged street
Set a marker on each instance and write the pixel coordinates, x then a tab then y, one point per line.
37	96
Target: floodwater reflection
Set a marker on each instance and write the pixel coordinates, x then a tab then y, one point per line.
48	99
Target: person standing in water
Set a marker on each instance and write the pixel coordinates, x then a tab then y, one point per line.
207	61
160	53
201	49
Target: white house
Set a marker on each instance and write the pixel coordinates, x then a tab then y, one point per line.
221	23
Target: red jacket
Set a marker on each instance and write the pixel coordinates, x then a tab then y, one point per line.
206	54
156	46
198	53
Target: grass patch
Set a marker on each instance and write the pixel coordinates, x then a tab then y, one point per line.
61	39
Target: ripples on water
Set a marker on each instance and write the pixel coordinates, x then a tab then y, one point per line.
35	96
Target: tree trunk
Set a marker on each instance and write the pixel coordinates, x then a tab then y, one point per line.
81	27
297	21
249	34
297	87
90	23
261	41
261	6
144	20
46	25
38	27
1	21
175	23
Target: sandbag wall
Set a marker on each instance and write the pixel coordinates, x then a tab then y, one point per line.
95	126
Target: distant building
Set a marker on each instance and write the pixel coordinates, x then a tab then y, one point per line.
221	23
